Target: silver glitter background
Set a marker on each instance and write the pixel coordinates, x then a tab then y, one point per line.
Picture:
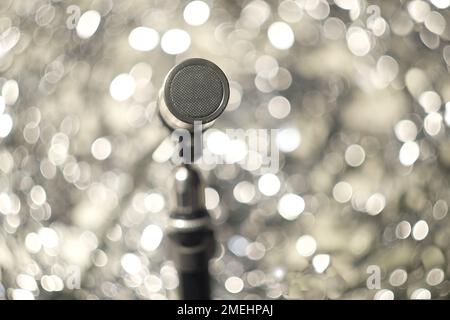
360	91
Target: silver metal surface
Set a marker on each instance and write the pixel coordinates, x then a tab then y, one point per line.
185	225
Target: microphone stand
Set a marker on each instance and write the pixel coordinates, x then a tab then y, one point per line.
191	238
195	92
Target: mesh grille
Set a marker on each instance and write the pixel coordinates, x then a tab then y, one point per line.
196	91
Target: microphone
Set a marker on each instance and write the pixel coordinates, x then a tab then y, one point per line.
194	91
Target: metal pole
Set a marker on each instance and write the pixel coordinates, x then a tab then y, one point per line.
191	239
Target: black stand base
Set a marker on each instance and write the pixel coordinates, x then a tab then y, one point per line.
195	285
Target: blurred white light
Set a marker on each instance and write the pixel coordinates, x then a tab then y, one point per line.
421	294
101	149
375	204
143	39
169	277
33	242
22	294
5	203
153	283
6	124
38	195
384	294
2	104
131	263
281	35
10	37
418	10
57	154
321	262
263	84
342	192
164	151
355	155
398	277
403	230
6	163
282	80
435	276
279	273
253	161
358	41
237	151
430	101
306	246
441	4
266	66
435	22
318	9
52	283
238	245
288	139
138	202
196	13
175	41
420	230
10	92
387	68
409	153
291	206
433	123
244	192
154	202
440	209
234	284
212	198
447	113
269	184
217	142
122	87
378	26
181	174
49	238
405	130
235	97
255	251
88	24
151	237
27	282
290	11
279	107
255	13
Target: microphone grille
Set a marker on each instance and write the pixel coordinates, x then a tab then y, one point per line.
196	90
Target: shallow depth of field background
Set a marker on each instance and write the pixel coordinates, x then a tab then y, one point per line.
359	91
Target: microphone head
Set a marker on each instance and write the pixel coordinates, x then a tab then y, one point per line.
194	90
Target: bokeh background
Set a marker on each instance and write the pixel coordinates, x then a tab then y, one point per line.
359	90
